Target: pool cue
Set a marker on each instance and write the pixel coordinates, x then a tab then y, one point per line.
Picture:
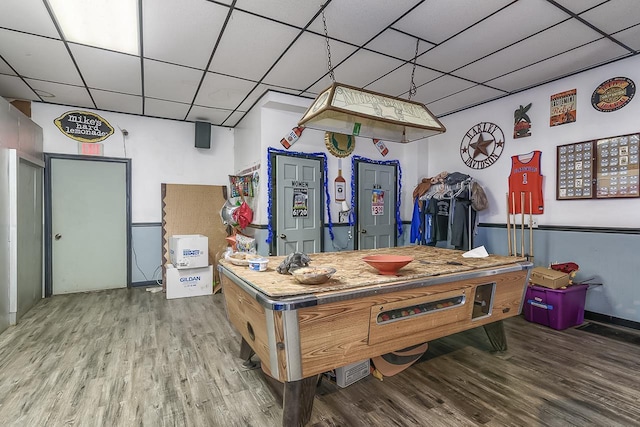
513	204
522	225
530	226
508	225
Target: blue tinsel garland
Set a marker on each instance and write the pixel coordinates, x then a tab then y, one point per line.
271	150
353	187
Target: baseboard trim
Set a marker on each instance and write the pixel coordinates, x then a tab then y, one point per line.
603	318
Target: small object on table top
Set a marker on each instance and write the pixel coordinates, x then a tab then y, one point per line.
313	275
293	261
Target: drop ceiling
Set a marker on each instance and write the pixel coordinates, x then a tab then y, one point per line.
212	60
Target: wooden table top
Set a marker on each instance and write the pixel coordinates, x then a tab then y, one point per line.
354	273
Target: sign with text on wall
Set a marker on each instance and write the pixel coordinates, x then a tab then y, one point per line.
84	126
300	199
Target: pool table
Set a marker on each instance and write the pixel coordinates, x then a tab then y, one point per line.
301	331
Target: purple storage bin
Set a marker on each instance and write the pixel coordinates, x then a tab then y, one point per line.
556	308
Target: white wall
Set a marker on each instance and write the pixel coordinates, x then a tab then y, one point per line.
444	149
276	114
162	151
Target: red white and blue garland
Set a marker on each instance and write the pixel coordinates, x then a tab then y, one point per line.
356	158
271	150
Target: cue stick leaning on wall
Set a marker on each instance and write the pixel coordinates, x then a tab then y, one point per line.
530	226
508	226
513	205
522	223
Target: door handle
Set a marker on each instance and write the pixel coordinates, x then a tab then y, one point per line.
58	236
283	236
363	231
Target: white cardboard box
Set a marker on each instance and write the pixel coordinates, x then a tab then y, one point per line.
349	374
189	250
189	282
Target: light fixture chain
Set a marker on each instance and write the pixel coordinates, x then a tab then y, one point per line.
413	89
326	36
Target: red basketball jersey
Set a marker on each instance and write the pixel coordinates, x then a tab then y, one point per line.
526	178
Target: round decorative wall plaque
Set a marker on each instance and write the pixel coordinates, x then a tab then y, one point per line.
338	144
613	94
482	145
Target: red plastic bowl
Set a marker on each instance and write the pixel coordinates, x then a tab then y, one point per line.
387	264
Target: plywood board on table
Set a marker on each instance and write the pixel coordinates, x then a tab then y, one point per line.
194	209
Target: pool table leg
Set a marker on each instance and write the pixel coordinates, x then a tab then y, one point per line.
246	353
497	337
297	401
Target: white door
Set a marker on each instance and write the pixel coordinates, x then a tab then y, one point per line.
29	235
89	229
376	193
298	201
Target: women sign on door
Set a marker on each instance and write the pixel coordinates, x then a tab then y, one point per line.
300	199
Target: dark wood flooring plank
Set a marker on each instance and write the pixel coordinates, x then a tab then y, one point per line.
132	358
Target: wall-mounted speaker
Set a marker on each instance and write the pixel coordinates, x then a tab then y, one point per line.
203	135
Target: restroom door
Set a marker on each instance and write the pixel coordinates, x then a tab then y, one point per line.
89	224
376	205
299	210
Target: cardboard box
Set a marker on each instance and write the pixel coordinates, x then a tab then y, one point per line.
349	374
557	308
548	278
191	282
189	250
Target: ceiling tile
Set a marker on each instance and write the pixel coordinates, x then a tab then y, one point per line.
170	82
260	90
585	57
75	96
112	101
38	57
182	34
357	21
440	88
398	82
437	21
614	15
5	69
308	57
397	45
579	6
234	118
630	37
553	41
29	16
297	13
473	95
166	109
215	116
107	70
249	54
13	87
363	68
519	20
223	92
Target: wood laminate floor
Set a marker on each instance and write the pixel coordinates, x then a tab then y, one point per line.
132	358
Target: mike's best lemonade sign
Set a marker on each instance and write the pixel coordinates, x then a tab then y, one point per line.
84	126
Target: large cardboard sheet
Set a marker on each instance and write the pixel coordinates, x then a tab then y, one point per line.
194	209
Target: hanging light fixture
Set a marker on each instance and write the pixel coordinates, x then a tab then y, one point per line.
354	111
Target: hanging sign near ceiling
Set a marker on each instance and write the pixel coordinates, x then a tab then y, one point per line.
84	126
563	108
482	145
613	94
